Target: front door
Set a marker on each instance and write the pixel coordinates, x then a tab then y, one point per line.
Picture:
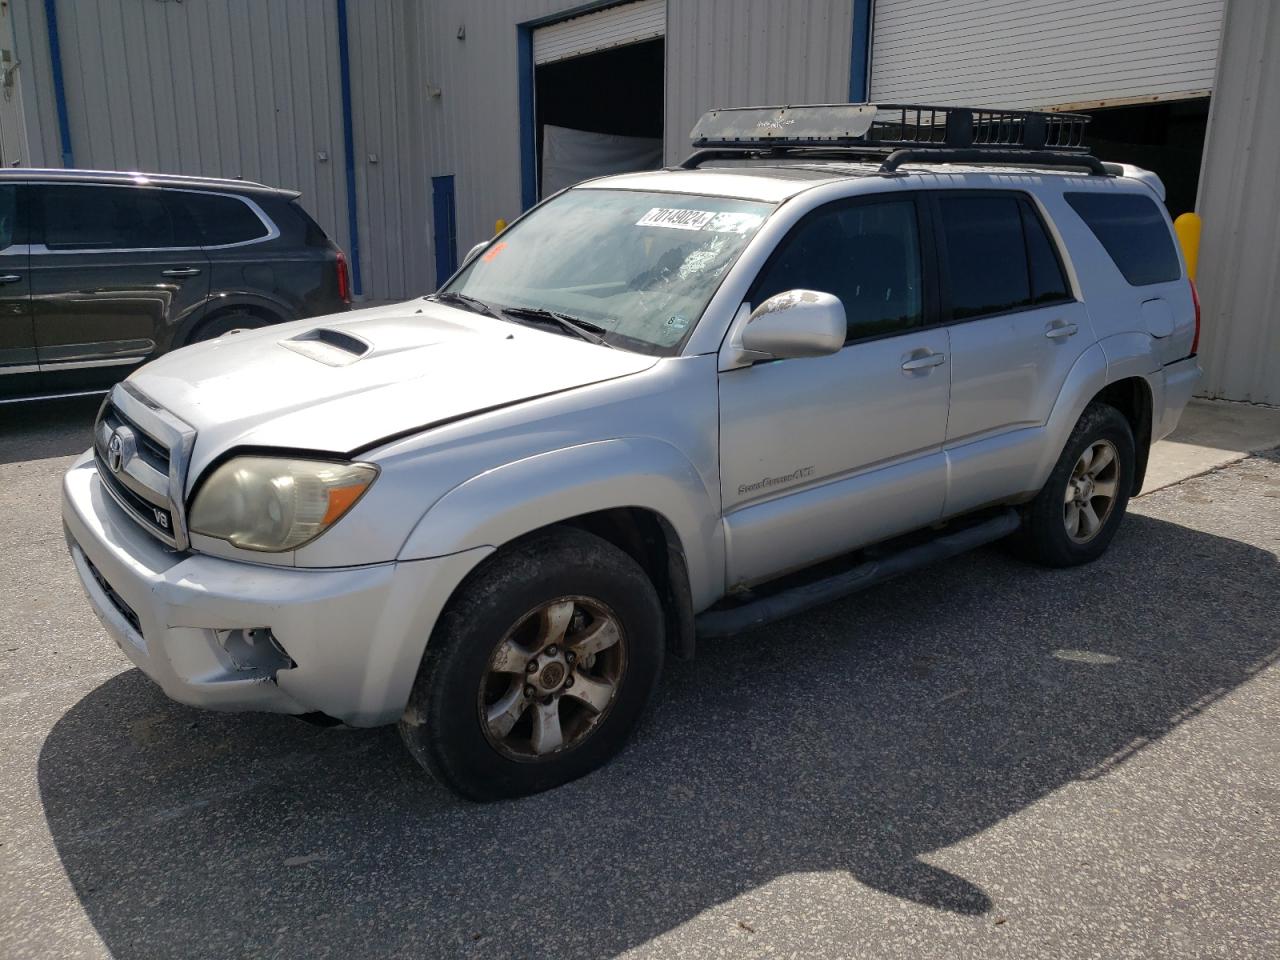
17	339
820	456
110	277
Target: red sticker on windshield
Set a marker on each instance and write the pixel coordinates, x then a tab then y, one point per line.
493	251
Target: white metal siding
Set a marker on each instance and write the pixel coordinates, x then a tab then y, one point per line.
1040	53
591	32
1239	196
729	53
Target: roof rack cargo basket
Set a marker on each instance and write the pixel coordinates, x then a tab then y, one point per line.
903	131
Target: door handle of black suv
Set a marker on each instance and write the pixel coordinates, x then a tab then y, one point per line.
10	278
182	272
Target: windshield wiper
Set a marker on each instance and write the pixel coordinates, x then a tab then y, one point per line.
466	303
582	329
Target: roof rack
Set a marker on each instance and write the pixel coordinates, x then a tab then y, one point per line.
898	132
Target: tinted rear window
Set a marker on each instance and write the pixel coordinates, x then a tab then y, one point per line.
218	219
1133	232
982	235
104	218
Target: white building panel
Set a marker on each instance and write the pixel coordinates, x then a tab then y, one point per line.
1043	53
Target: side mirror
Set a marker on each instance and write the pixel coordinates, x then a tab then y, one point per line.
797	323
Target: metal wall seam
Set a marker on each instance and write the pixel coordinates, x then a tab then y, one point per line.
349	148
59	88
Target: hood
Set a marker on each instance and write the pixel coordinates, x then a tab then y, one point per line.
348	381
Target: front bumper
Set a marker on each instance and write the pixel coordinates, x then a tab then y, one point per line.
352	637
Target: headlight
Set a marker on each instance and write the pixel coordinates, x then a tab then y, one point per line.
274	504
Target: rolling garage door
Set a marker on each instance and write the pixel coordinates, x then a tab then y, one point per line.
1042	53
593	32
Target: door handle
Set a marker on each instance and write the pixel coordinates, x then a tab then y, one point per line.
181	272
10	278
1061	331
925	362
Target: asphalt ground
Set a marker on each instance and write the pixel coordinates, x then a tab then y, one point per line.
986	759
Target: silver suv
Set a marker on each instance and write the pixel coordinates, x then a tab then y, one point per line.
658	406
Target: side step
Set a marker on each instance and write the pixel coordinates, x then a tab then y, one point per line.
806	596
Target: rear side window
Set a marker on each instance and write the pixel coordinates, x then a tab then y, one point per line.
103	218
1133	232
999	256
867	254
216	220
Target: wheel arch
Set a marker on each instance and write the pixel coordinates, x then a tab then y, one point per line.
1133	398
269	312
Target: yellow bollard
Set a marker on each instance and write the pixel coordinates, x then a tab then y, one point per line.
1187	227
498	226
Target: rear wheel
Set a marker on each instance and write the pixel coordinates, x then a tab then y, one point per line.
1075	515
224	323
538	669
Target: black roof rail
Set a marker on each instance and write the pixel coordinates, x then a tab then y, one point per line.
896	132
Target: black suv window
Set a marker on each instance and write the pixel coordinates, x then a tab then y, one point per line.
999	256
867	254
88	217
1133	232
215	219
11	231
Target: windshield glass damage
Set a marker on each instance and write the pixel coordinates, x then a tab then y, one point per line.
640	267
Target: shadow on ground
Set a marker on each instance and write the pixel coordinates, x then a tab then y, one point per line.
859	739
41	429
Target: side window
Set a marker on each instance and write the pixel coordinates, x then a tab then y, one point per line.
1133	232
10	231
986	255
103	218
867	254
215	219
1048	282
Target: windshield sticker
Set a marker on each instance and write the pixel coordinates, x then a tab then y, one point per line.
678	323
735	222
676	219
492	253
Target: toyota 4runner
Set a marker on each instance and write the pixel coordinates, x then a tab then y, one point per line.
835	344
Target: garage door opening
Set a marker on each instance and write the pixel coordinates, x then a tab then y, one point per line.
1166	138
597	96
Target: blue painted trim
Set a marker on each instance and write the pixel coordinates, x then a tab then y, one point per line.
524	73
444	212
59	87
860	53
528	130
349	148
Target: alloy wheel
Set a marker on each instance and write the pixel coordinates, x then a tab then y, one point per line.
1091	491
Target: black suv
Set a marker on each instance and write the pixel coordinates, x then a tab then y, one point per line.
99	272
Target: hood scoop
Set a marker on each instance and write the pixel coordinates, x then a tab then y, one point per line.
336	348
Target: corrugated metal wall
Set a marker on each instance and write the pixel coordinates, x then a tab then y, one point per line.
241	88
726	53
1039	53
1239	200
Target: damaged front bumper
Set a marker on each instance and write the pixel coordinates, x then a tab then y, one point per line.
227	635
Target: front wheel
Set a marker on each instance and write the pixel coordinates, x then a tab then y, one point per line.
1073	518
538	669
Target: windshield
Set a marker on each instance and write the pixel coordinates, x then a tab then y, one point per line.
640	267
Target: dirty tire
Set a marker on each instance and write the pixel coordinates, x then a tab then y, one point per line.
442	725
224	323
1044	536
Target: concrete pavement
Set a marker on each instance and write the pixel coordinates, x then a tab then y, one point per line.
989	760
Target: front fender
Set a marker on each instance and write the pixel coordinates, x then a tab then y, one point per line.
502	504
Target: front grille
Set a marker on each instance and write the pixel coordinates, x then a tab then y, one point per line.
142	452
150	449
157	519
117	601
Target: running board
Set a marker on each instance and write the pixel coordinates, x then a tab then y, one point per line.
786	603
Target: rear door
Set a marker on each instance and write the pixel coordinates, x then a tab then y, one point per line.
17	338
112	276
1017	329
